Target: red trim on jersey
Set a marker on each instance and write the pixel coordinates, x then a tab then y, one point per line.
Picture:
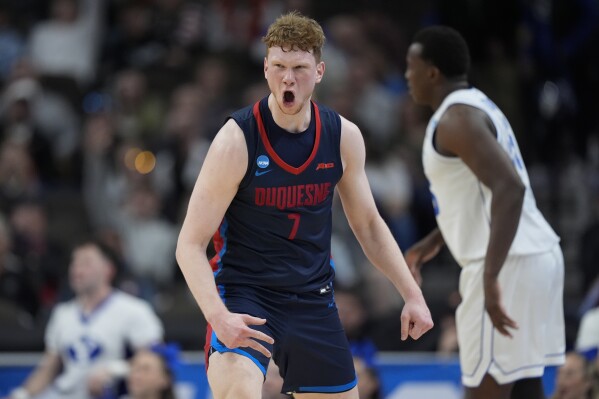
218	242
271	151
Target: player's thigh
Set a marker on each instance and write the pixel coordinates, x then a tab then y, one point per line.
351	394
233	376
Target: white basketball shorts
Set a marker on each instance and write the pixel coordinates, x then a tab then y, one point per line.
531	293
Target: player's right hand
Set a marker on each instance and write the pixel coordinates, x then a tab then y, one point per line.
415	319
418	254
233	330
501	321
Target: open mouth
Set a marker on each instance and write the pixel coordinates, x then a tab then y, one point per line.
288	97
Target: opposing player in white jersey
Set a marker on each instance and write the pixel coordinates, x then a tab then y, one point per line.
510	322
87	337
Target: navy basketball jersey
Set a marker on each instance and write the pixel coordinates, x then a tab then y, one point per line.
276	232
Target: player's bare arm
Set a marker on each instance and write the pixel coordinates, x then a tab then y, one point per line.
423	251
466	132
373	234
215	188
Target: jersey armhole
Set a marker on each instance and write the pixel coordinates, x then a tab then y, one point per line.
250	152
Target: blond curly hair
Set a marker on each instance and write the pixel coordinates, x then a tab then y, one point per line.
295	31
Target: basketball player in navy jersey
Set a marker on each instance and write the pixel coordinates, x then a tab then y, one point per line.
266	188
510	322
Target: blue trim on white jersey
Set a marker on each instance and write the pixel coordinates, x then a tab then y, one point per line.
87	318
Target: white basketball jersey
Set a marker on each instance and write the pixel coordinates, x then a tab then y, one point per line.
462	203
85	342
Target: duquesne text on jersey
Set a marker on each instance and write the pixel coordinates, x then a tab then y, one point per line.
292	196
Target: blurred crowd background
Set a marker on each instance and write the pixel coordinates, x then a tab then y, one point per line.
107	109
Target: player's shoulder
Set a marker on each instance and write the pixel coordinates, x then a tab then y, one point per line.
65	307
328	115
230	141
243	114
127	302
65	312
460	116
349	128
323	108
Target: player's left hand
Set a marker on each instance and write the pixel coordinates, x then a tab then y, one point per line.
415	319
501	321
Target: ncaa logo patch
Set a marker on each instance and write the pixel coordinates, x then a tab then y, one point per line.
263	161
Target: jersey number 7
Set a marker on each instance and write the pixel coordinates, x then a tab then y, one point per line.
296	219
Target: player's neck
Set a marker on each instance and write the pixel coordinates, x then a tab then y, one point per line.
293	123
444	90
90	301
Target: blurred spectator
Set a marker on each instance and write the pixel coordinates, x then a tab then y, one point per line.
392	188
184	146
15	282
558	38
354	316
18	175
179	23
131	43
138	113
587	340
39	118
345	39
413	120
213	80
589	253
595	378
149	242
374	103
232	25
369	382
104	174
346	274
12	44
18	125
151	374
63	49
42	256
109	170
447	343
87	337
121	197
573	379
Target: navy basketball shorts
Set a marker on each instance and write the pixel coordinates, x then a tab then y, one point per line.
310	349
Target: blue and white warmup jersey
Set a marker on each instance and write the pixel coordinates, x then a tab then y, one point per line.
463	203
85	342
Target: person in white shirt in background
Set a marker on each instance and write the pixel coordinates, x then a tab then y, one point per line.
87	337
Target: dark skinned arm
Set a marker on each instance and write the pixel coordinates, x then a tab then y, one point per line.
466	132
423	251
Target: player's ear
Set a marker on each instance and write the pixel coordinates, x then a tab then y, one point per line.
265	65
434	74
320	67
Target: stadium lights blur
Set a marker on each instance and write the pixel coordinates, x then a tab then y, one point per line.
140	161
